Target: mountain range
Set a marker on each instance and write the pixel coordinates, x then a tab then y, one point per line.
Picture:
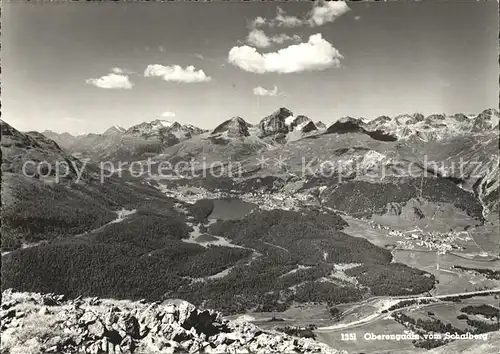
117	142
321	222
162	133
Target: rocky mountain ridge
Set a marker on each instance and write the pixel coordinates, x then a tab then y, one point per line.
414	135
352	125
282	122
280	126
18	147
303	124
115	129
156	128
234	127
435	126
347	140
117	142
33	322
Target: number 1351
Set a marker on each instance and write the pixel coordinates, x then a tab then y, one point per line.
348	336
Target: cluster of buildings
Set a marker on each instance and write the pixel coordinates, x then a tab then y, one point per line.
442	242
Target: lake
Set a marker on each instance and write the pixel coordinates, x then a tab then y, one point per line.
231	209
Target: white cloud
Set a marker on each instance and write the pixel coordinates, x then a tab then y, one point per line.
321	13
259	21
316	54
260	91
283	20
176	73
111	81
357	18
326	12
260	39
161	48
280	38
168	114
118	70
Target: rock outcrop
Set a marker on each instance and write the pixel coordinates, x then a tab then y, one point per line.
320	125
303	124
301	119
346	125
114	130
234	127
435	117
460	117
307	127
352	125
418	117
155	129
194	130
485	120
379	120
147	129
275	123
33	323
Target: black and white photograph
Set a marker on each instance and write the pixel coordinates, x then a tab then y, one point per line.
250	177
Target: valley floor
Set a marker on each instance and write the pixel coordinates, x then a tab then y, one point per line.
429	247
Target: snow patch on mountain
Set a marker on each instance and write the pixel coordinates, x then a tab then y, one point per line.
289	120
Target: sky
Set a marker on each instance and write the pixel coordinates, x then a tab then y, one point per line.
82	67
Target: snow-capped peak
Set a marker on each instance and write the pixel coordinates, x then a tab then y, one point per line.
162	123
289	120
302	125
115	129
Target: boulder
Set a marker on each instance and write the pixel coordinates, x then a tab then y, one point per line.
87	318
132	327
96	329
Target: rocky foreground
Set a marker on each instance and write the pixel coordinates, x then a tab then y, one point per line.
48	323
